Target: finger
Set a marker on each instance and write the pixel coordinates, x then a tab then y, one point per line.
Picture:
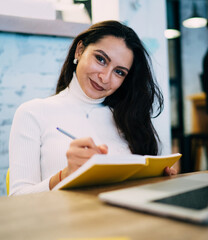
166	171
103	148
85	143
169	171
173	171
80	152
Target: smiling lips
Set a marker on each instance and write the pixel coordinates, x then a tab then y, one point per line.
96	86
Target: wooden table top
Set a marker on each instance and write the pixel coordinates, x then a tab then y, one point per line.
79	214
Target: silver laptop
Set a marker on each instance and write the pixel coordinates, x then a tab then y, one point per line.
184	198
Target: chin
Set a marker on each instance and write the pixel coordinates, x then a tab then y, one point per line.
97	97
93	95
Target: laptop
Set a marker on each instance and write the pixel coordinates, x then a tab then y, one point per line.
184	198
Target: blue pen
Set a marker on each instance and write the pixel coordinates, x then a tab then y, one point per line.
66	133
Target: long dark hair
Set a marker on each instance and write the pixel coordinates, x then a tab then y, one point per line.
132	103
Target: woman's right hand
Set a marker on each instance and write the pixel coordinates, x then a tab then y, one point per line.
79	152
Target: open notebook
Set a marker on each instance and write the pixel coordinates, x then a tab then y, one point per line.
108	169
184	198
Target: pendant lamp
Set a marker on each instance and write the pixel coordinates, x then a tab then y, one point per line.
195	21
172	30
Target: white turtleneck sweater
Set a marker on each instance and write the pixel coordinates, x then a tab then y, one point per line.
37	151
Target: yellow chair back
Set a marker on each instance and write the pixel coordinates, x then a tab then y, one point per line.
7	182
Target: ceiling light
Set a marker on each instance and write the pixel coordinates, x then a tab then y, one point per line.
172	30
172	33
195	21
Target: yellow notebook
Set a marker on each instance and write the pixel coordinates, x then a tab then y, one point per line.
106	169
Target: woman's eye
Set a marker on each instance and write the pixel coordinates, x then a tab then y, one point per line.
100	59
121	73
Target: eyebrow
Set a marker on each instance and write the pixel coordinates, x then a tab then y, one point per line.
106	56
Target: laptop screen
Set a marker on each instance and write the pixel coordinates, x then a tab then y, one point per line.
195	199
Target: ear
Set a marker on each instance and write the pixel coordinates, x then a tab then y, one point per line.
79	50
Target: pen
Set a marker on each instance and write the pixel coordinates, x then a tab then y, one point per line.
66	133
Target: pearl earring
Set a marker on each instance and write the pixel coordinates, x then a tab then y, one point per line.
75	61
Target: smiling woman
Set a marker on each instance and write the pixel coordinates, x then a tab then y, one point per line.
103	66
104	97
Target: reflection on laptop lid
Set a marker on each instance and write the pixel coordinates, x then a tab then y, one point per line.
184	198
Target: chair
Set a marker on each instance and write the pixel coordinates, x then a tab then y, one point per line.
7	182
194	141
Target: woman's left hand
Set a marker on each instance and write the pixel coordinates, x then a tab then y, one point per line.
169	171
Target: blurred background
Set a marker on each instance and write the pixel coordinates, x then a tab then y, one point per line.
35	36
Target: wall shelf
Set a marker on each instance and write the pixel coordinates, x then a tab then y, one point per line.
41	27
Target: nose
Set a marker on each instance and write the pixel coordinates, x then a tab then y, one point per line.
105	75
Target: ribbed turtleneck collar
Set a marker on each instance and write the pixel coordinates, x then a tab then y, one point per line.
76	90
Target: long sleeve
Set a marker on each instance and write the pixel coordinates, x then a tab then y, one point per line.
24	154
37	151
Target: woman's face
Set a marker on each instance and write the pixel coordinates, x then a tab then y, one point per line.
103	66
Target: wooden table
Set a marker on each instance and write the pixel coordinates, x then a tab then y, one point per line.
79	214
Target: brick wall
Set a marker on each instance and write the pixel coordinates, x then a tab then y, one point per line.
29	68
